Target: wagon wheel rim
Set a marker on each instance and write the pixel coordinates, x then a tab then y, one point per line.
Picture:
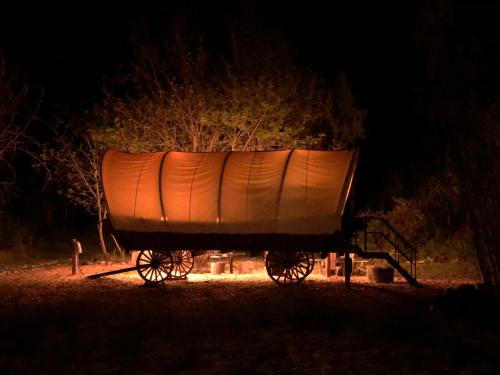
310	255
183	262
288	268
154	266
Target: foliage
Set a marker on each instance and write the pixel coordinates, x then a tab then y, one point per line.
406	217
433	220
479	181
18	109
460	102
449	270
74	162
458	246
180	98
15	235
348	119
439	200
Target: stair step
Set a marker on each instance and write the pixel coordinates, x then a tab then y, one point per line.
387	234
381	255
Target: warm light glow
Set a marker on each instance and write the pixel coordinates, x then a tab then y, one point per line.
257	277
284	192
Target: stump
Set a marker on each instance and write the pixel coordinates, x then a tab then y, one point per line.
133	256
216	268
377	274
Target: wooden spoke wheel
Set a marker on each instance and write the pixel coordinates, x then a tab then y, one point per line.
289	267
183	262
311	262
154	266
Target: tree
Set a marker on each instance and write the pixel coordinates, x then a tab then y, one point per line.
18	109
348	117
459	100
74	163
477	167
178	97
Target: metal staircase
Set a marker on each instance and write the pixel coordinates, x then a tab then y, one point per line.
378	239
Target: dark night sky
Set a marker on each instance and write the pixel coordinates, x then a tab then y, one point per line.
69	49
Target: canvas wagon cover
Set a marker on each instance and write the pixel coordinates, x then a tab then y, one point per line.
266	192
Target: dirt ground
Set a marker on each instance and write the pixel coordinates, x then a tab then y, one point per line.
53	323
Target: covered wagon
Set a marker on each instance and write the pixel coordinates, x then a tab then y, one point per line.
174	205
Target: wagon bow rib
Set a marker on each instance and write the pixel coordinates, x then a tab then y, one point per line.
282	182
221	180
160	187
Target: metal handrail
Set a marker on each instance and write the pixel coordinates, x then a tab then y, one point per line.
399	243
394	230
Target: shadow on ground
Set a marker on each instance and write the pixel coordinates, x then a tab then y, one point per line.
112	325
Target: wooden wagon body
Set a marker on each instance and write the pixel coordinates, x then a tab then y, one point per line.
289	203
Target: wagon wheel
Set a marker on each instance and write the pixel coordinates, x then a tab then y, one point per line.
288	268
154	266
183	263
311	263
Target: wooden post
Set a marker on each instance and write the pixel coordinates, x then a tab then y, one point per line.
347	269
77	250
230	263
216	268
331	261
328	266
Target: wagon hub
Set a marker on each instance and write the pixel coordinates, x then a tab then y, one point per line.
155	263
154	266
289	268
183	264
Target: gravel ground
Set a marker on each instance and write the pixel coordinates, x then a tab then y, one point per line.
52	323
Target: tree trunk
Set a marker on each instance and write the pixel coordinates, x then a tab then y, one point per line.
102	243
479	175
485	229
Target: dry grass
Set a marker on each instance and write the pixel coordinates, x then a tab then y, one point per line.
53	323
449	270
